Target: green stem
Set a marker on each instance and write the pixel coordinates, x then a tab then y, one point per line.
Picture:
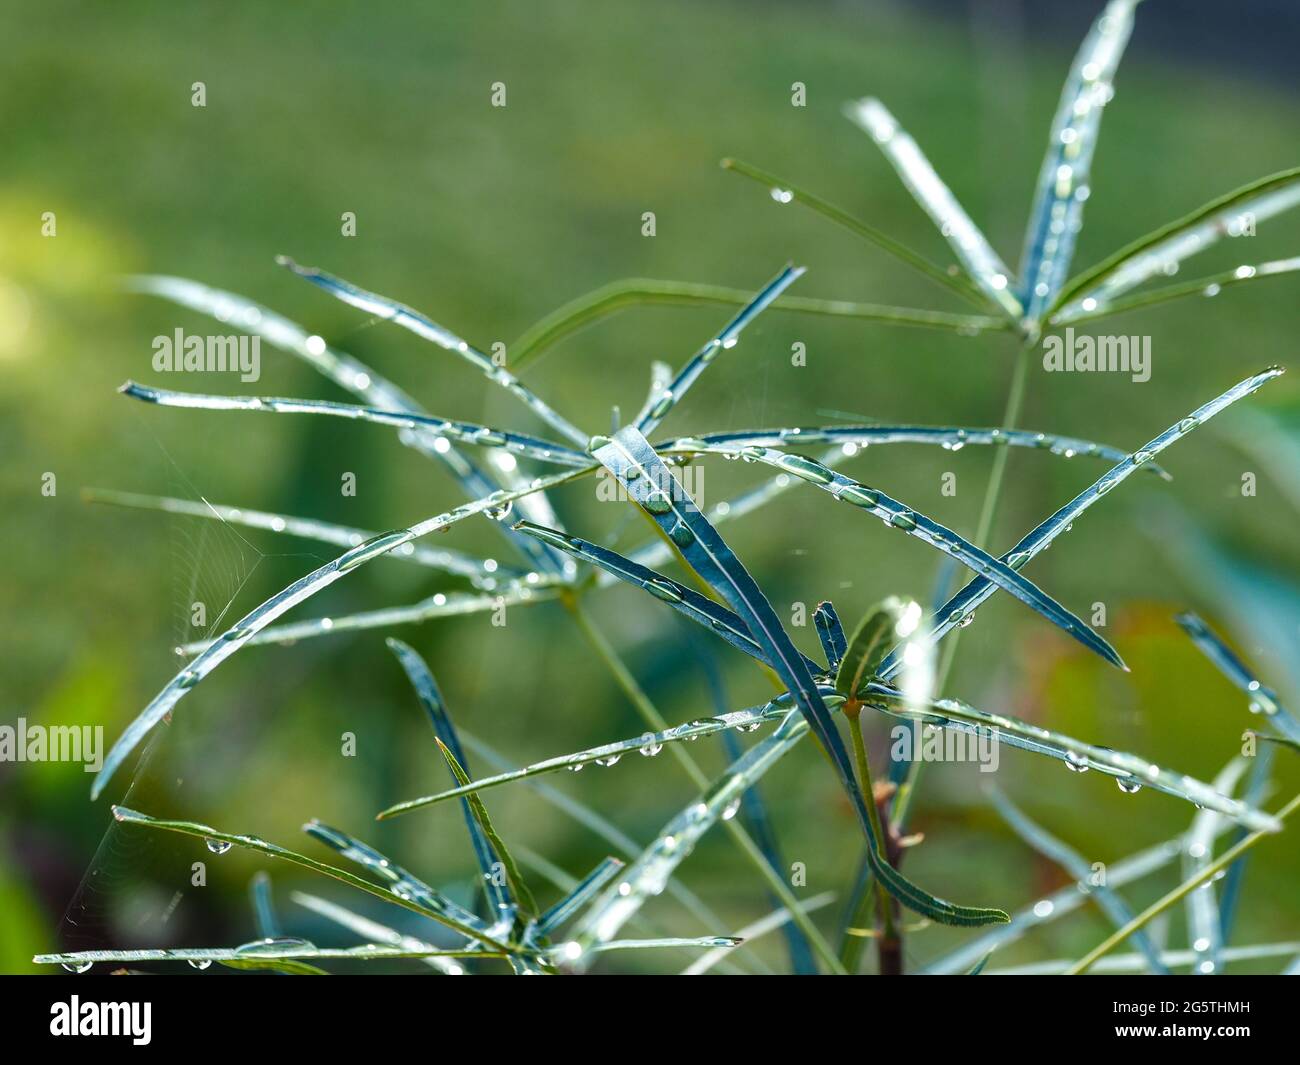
612	298
1182	891
988	512
889	947
655	720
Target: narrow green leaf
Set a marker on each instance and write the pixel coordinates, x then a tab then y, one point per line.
402	883
786	192
830	631
1263	700
583	892
647	744
465	432
897	515
382	307
1164	249
1064	180
1208	287
728	337
961	607
973	251
503	900
854	437
867	647
274	850
513	875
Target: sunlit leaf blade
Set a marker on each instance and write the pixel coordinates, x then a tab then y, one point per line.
647	876
853	437
652	486
402	883
348	373
647	744
1256	790
610	299
264	954
897	515
464	432
582	814
491	861
1162	251
1131	771
1079	869
713	942
1263	700
728	337
449	561
786	192
1060	903
273	608
372	931
867	647
657	551
972	249
685	601
584	892
264	915
830	632
753	810
1204	924
382	307
513	876
274	850
1136	963
438	605
1064	181
661	376
978	967
779	918
1208	287
962	605
1207	873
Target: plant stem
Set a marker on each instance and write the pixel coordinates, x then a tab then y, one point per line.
1181	891
890	948
655	720
988	512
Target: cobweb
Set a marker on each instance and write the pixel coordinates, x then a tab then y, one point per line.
137	891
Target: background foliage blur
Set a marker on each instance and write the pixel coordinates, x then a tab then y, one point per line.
487	219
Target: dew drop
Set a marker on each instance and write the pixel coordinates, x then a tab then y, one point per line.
661	589
1128	785
218	846
1076	762
859	496
200	963
77	966
731	809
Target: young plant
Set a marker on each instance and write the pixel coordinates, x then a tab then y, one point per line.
886	667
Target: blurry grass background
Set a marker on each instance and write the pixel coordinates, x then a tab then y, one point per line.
489	218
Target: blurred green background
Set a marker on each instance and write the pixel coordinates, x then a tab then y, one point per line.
489	218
